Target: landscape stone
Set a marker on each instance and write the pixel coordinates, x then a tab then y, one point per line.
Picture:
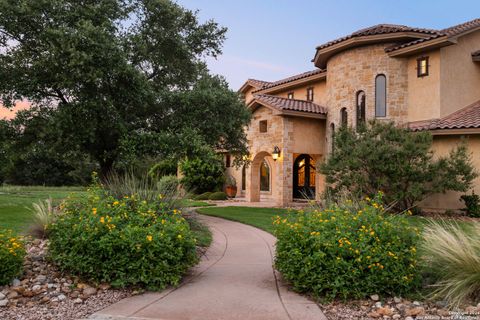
375	297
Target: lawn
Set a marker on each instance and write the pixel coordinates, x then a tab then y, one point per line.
257	217
16	202
262	217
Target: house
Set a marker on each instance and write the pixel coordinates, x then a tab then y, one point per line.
422	78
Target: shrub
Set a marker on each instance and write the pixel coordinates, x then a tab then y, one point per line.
44	214
384	157
12	253
472	204
204	196
347	251
202	175
165	167
125	241
218	196
452	255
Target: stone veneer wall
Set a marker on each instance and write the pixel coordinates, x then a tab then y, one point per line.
353	70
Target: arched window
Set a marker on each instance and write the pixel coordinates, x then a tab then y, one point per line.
381	96
344	117
332	132
264	176
360	108
244	178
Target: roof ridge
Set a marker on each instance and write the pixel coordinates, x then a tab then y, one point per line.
293	78
460	25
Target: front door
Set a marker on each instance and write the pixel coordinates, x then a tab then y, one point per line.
304	177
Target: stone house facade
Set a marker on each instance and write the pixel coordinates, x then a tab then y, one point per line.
422	78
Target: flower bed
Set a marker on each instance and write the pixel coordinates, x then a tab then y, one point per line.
12	252
124	241
348	251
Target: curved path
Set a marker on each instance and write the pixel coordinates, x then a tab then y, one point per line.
234	280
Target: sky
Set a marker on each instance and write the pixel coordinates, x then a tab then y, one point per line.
273	39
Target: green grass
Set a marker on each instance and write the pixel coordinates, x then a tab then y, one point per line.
201	232
188	203
258	217
16	202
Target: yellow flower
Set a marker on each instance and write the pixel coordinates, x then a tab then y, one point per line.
149	238
179	236
115	203
102	220
94	210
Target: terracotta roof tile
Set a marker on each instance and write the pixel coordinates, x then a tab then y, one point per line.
449	32
259	84
476	53
290	104
468	117
378	29
293	78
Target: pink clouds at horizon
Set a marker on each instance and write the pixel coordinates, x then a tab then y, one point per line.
10	113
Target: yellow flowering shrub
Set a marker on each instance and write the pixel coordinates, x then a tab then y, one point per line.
12	253
125	241
348	251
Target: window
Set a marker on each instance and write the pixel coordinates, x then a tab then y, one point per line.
310	94
263	126
360	108
381	96
264	176
422	67
244	178
344	117
290	95
332	132
228	160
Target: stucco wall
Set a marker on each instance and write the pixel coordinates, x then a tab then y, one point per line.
353	70
460	76
442	145
319	92
424	92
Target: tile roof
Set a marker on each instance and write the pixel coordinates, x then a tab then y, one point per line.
281	104
259	84
449	32
293	78
476	54
378	29
468	117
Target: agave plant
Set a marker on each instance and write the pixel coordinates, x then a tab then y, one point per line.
452	254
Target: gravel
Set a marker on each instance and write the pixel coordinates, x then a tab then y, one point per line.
45	293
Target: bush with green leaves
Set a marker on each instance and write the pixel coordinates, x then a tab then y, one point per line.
12	253
203	174
204	196
350	250
218	196
127	241
401	163
451	256
472	204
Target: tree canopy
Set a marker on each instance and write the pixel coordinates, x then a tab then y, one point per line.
113	72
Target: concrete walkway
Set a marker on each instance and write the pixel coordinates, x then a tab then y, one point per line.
234	280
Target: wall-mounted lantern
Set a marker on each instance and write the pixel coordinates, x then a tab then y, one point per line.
275	153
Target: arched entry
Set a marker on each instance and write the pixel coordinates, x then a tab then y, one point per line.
261	177
304	177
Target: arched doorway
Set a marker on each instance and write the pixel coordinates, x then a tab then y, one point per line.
304	177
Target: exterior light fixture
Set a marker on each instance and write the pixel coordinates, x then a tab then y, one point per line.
275	153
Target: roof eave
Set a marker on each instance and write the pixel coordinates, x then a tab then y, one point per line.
454	131
292	84
303	114
423	46
476	58
323	54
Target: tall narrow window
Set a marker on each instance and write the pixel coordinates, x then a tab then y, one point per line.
344	117
263	126
228	160
290	95
360	108
264	176
310	94
332	132
381	96
422	67
244	178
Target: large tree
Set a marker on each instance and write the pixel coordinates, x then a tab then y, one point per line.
396	161
110	69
